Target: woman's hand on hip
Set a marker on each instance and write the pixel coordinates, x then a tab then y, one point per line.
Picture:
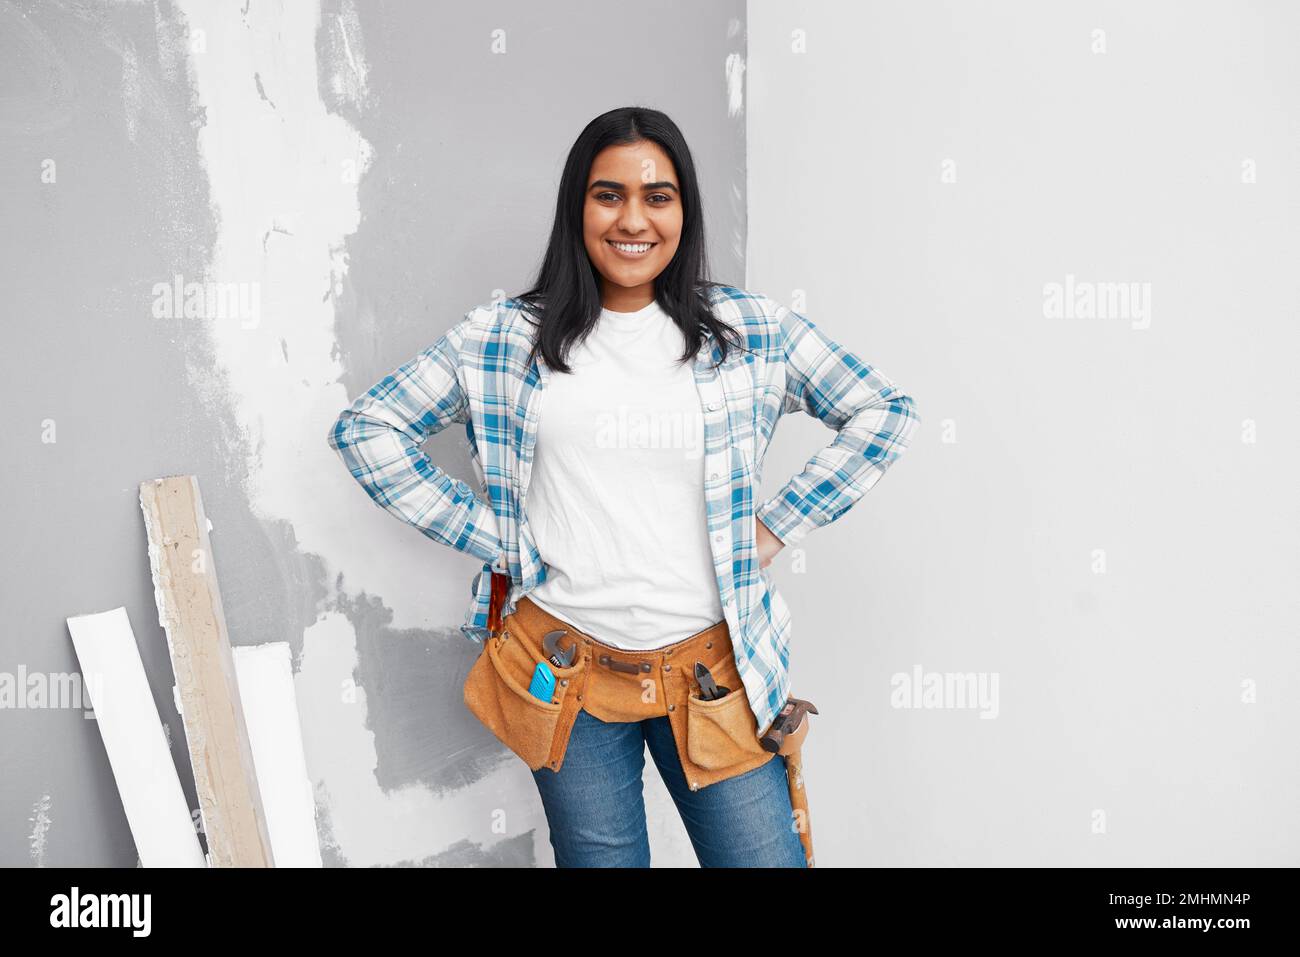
768	544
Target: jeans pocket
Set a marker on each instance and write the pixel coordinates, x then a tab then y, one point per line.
722	732
496	693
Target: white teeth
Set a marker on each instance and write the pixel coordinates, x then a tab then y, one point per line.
632	247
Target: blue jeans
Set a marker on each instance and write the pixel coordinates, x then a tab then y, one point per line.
596	812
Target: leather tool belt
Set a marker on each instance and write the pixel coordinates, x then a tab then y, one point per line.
716	739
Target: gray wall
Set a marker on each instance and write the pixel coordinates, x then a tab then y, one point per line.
1101	512
366	173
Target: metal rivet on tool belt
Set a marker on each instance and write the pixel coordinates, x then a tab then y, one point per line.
708	644
564	681
694	786
672	707
668	667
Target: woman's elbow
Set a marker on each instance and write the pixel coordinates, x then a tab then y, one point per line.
340	432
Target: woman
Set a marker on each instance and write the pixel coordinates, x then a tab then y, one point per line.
618	413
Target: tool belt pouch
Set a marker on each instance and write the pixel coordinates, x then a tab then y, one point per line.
722	732
496	691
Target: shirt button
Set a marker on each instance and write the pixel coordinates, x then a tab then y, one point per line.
713	406
713	475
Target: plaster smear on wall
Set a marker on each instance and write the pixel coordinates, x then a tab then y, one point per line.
368	827
40	830
735	73
283	174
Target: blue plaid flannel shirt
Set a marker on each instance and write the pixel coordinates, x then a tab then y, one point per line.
476	375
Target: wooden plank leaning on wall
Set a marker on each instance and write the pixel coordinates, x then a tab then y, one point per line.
189	610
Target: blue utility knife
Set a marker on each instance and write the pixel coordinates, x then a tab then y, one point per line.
543	683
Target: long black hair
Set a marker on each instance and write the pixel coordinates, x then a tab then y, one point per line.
565	300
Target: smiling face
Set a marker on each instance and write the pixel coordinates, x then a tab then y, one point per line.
631	221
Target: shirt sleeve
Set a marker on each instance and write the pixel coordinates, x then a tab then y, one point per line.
378	437
874	422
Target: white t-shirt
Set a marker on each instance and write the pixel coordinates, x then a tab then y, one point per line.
616	496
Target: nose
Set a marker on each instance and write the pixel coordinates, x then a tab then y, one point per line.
633	219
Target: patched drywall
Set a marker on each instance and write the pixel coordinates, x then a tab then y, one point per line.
342	181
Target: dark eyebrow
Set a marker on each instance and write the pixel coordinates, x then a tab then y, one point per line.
610	184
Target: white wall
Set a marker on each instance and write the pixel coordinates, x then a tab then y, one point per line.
1102	515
